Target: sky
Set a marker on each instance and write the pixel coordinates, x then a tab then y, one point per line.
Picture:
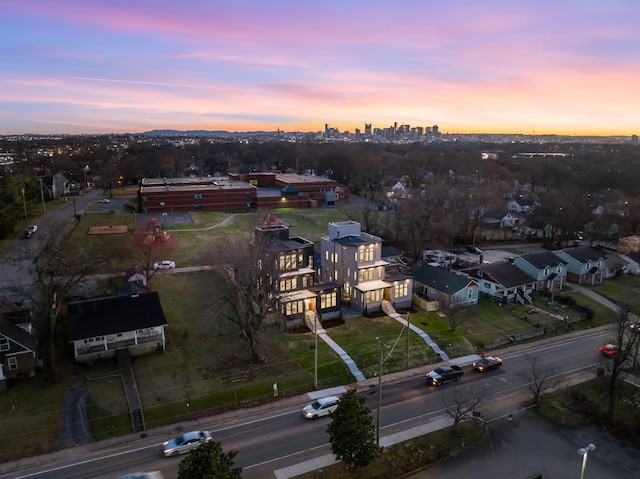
568	67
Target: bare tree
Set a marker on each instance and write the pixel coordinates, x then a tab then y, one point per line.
624	339
249	278
457	314
461	403
541	378
58	274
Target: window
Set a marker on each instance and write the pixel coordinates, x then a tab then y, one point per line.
287	261
469	293
373	296
293	307
4	344
13	364
198	207
366	253
366	274
328	300
401	289
288	284
197	196
546	271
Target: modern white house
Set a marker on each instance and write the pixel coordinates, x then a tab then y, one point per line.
353	259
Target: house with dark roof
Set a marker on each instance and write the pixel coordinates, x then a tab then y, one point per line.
503	281
584	264
18	344
548	269
438	284
101	326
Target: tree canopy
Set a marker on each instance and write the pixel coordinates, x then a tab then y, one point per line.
209	461
352	433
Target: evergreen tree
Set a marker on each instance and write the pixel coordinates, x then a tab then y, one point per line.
351	431
209	461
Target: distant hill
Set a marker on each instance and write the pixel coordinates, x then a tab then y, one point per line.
208	133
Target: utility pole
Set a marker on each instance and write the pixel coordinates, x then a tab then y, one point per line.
408	330
382	345
315	353
24	202
42	194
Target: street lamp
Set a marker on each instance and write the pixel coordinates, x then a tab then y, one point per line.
584	452
382	345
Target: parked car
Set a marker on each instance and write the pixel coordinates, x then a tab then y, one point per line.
321	407
186	442
487	363
474	249
164	265
608	350
27	233
443	374
104	200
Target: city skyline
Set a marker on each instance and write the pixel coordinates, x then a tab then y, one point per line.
89	67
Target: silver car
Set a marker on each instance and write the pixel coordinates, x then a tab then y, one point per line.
186	442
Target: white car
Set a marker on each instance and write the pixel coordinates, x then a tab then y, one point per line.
321	407
186	442
164	265
104	200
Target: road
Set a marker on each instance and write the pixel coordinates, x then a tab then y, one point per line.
271	438
17	282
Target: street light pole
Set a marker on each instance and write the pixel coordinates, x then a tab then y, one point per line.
584	452
382	345
315	353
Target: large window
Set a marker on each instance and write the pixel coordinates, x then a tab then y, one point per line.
328	300
366	274
294	307
366	253
4	344
401	289
373	296
287	261
288	284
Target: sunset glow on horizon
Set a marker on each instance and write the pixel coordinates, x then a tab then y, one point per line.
83	67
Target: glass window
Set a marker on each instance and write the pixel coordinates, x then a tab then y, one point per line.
4	344
13	363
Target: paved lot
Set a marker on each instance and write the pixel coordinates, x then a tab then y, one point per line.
531	445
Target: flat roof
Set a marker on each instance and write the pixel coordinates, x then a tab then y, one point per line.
194	184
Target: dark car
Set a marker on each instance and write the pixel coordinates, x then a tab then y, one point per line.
608	350
474	249
487	363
